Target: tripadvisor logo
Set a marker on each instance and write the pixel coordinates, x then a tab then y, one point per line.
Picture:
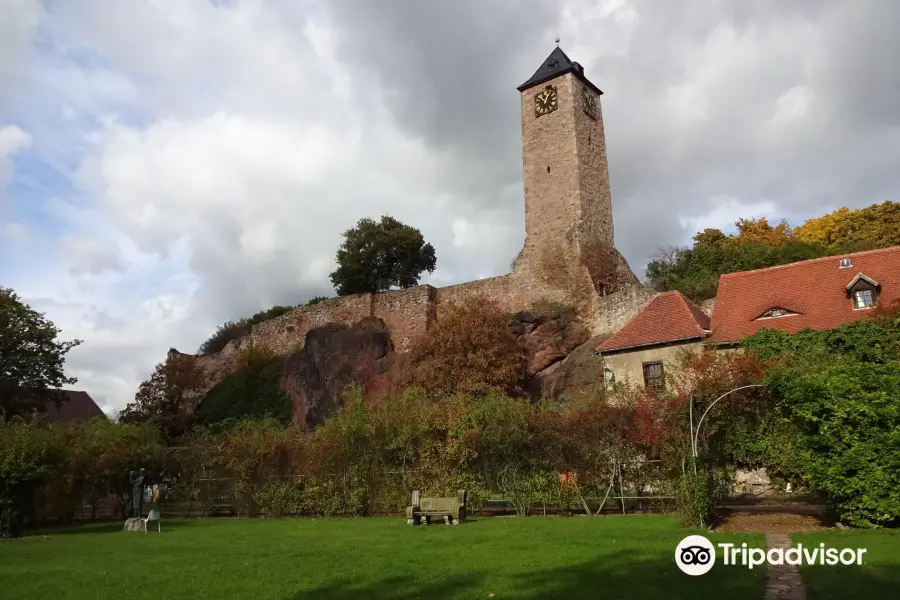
696	555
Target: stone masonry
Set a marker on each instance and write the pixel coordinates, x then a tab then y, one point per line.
569	256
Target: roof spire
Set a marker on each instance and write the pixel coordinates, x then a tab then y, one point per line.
557	41
555	65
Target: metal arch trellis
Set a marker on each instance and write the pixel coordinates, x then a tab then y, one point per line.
696	433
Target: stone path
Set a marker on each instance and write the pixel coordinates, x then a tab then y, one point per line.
784	581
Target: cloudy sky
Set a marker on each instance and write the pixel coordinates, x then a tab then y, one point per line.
166	165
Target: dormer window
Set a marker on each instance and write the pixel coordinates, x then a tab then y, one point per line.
776	312
863	291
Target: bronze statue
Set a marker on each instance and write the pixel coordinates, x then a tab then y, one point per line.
137	491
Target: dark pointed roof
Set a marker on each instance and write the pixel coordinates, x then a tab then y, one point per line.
74	406
557	64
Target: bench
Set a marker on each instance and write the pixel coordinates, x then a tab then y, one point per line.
452	510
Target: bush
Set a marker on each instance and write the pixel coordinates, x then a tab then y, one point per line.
265	315
547	307
471	350
253	390
226	332
29	456
99	455
848	414
698	494
867	340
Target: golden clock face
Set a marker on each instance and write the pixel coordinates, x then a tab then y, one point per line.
546	101
589	102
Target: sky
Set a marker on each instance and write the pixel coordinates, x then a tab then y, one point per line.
167	165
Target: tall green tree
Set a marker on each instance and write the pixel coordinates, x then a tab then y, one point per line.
31	358
378	255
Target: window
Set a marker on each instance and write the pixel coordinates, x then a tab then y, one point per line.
776	312
653	376
863	298
845	263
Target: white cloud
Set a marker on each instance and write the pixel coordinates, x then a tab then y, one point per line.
14	232
90	256
12	140
20	19
726	211
216	152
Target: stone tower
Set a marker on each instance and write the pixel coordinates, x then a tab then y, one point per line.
568	207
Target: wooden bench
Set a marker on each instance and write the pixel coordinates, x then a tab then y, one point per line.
452	510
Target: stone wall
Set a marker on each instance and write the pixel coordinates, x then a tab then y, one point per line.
628	367
512	292
614	310
409	313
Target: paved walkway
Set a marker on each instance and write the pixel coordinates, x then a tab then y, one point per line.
784	581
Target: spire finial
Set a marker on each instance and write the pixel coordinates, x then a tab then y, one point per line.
557	41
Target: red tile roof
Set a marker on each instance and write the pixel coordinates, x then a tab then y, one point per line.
76	406
814	289
669	317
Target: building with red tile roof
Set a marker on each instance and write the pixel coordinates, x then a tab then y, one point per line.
669	317
75	406
812	294
821	293
638	351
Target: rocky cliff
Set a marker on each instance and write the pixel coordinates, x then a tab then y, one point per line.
336	356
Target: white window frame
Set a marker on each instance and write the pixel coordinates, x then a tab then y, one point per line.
858	296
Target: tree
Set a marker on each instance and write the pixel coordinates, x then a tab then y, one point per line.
378	255
759	230
695	271
167	397
470	349
875	226
31	358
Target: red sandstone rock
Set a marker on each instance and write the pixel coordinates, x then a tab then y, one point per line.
547	338
335	357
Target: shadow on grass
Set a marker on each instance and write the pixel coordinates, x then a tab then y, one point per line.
108	527
839	582
625	576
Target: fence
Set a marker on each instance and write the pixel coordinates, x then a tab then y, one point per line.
636	487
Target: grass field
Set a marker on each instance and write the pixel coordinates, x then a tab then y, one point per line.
376	558
877	577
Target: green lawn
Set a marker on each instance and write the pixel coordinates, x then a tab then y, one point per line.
877	577
375	559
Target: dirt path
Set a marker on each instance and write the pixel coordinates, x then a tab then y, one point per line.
771	523
784	581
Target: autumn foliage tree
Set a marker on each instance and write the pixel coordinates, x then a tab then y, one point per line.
758	244
167	397
875	226
470	349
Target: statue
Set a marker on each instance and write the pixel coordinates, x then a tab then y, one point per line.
137	491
